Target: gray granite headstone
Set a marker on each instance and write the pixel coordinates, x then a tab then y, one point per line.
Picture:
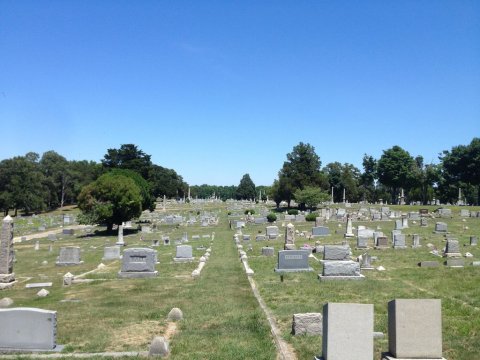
28	329
268	251
69	255
336	252
453	248
183	253
272	232
415	328
441	227
347	331
138	263
399	241
292	261
341	270
362	242
473	240
320	231
111	253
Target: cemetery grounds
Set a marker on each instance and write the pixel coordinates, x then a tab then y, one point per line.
222	318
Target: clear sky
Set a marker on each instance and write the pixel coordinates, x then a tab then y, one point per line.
217	89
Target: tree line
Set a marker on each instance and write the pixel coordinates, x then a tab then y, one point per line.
302	178
32	183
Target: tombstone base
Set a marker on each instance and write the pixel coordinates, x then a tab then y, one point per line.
399	247
7	278
280	271
381	247
453	255
138	274
349	235
330	278
120	244
8	285
183	260
68	263
367	268
388	357
289	247
57	348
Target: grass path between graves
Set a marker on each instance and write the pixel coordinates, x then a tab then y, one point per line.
223	319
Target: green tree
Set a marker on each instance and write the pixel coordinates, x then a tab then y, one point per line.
462	164
166	182
128	157
310	197
246	189
82	173
57	174
301	169
368	178
111	199
341	177
395	169
148	201
22	184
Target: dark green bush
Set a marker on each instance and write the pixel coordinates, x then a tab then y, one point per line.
251	211
271	217
292	212
311	216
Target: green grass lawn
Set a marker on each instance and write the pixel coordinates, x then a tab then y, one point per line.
222	319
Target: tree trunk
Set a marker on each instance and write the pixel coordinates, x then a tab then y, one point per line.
109	227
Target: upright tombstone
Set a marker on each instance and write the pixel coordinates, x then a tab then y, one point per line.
473	240
28	329
111	253
423	222
349	229
120	240
292	261
183	254
416	241
414	329
399	241
341	270
441	228
7	254
138	263
404	222
366	262
382	242
289	237
336	252
347	331
69	255
320	231
452	249
362	242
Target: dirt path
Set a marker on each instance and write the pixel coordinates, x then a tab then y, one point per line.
46	233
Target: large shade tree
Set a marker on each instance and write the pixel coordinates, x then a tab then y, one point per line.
396	169
301	169
246	188
109	200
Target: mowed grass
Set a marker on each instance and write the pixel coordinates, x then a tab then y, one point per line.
458	288
222	319
221	316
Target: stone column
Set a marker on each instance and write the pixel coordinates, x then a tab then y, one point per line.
7	276
344	195
290	237
349	230
120	236
164	201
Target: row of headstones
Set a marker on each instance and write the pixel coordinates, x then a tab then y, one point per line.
414	330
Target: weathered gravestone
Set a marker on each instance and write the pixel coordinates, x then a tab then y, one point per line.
267	251
441	227
289	237
349	228
452	248
120	240
416	241
7	254
28	329
399	241
138	263
423	222
320	231
292	261
111	253
414	329
382	242
68	231
183	254
271	232
336	252
260	237
347	331
69	255
366	262
362	242
473	240
52	237
341	270
307	324
300	218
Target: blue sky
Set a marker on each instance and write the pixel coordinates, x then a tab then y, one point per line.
217	89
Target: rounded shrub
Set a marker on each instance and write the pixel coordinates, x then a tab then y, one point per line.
251	211
311	216
292	212
271	217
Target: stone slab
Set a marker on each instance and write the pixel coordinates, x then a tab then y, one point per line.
292	261
307	324
28	328
428	264
415	328
347	331
38	285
